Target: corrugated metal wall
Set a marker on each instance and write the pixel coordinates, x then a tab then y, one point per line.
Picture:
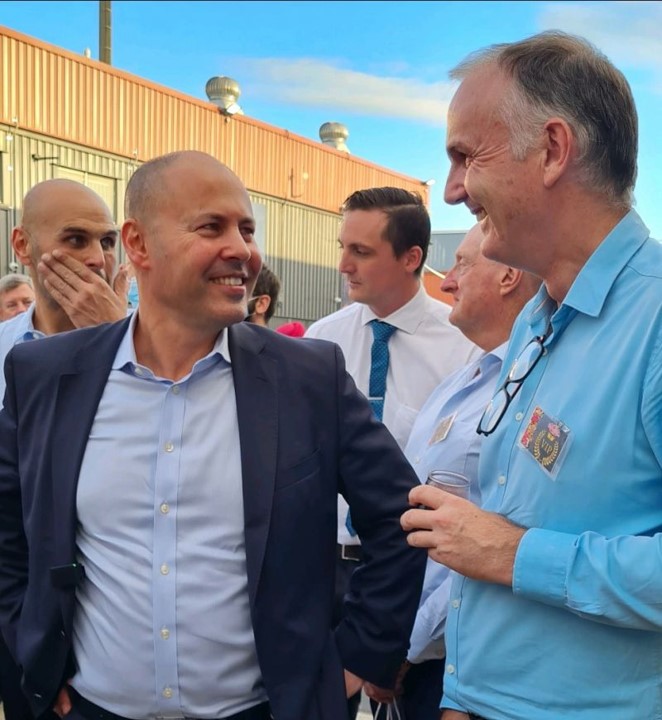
302	249
59	94
300	242
63	115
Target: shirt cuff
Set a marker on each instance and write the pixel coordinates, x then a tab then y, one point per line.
541	566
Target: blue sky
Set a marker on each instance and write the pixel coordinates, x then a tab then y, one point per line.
379	67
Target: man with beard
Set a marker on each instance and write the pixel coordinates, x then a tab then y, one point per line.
67	240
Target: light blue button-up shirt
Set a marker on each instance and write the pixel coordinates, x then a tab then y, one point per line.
444	437
12	332
162	625
577	458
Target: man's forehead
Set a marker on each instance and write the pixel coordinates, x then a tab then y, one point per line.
75	213
88	225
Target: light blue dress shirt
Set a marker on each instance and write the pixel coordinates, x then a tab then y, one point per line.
444	437
577	457
12	332
162	625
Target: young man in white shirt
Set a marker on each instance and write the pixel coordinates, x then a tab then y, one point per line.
384	239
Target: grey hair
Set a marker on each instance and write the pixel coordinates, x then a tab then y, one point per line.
555	74
12	281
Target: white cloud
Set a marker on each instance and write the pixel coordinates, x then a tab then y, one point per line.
628	32
315	83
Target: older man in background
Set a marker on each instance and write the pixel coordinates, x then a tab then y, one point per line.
487	297
16	295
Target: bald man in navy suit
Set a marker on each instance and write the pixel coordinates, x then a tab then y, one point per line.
168	492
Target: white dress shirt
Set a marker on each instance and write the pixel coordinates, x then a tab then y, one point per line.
424	350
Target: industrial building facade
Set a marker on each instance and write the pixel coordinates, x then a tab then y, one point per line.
64	115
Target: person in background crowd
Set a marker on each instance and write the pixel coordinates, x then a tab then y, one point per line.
396	339
67	240
487	297
16	295
262	306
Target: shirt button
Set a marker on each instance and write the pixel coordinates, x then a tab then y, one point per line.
450	669
165	508
168	447
455	604
139	371
175	389
165	633
519	416
502	480
167	693
164	569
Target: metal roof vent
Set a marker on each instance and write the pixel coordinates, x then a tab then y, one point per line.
334	134
224	92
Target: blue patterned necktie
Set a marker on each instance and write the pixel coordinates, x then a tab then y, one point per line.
381	334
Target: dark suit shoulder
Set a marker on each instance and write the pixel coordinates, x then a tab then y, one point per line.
56	350
263	339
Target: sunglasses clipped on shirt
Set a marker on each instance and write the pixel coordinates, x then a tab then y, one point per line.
521	368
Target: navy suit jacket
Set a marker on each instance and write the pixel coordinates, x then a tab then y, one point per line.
306	434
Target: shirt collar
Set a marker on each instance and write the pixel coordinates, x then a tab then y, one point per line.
488	359
125	358
406	318
25	327
591	287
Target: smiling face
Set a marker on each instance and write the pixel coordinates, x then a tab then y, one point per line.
473	281
374	275
194	252
501	192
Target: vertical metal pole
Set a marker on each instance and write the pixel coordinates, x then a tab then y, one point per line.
104	32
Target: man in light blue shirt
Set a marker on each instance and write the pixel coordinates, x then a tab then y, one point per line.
168	490
559	613
487	296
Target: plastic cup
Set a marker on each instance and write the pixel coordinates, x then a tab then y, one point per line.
451	482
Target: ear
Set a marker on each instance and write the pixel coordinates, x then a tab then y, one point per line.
509	280
559	147
412	258
262	304
133	240
22	245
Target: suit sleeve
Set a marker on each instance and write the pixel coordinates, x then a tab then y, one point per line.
375	479
13	545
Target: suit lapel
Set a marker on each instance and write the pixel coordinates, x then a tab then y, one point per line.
255	382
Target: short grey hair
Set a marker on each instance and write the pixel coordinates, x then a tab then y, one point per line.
557	74
12	281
